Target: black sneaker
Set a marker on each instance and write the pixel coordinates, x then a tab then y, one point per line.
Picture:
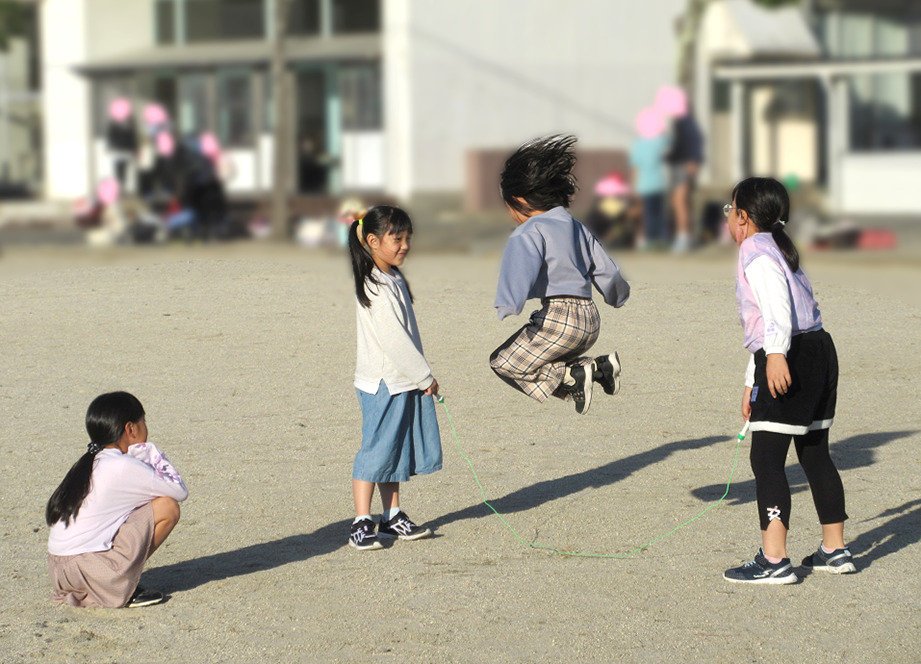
363	537
838	561
578	385
142	597
400	526
760	570
606	371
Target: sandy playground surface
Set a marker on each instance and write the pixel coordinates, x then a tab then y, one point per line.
243	359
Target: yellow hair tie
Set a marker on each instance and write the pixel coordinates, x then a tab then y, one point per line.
361	222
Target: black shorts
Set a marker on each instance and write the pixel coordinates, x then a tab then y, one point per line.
809	404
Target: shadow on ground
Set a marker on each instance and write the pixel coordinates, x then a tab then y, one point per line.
850	453
899	527
247	560
536	495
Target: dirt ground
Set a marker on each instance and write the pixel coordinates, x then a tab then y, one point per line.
243	358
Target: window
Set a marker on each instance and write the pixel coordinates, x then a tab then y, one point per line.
866	34
356	16
886	112
165	22
360	91
304	19
192	107
235	108
209	20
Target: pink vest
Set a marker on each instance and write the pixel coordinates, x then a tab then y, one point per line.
804	308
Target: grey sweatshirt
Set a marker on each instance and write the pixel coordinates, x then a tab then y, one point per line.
552	254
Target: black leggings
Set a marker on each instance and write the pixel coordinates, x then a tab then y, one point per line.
768	458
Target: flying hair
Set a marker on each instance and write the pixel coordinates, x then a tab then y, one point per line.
539	173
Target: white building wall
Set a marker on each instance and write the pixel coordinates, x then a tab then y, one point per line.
397	89
65	98
881	183
73	32
467	74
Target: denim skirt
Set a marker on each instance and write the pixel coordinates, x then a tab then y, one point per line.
399	436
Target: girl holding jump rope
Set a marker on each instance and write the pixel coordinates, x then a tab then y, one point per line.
790	387
393	380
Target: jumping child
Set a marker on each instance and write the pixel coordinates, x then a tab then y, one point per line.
790	386
114	508
553	257
393	380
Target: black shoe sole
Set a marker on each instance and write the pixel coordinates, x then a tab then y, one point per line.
605	374
422	534
584	391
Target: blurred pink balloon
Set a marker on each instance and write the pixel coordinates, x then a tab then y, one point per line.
672	101
209	145
154	114
119	109
650	123
613	184
107	191
165	144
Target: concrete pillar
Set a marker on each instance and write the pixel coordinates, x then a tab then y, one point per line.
737	94
837	139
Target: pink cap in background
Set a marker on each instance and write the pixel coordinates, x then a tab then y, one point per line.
612	185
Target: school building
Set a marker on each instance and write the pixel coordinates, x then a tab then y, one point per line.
416	99
828	92
389	96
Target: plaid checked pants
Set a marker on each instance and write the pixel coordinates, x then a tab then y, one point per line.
534	359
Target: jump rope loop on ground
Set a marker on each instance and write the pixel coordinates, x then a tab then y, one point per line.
536	545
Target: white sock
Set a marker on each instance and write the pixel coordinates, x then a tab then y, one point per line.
827	550
392	512
363	516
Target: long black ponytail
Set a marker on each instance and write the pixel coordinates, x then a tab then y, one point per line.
768	205
378	221
106	418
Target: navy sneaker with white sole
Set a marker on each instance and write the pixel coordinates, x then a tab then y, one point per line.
839	561
363	537
760	570
401	527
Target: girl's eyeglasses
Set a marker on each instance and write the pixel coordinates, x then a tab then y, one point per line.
727	209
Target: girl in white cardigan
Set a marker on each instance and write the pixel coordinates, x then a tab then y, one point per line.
394	382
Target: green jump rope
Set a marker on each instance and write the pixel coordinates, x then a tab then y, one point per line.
536	545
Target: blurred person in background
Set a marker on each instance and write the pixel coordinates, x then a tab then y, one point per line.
613	218
685	157
121	139
647	159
